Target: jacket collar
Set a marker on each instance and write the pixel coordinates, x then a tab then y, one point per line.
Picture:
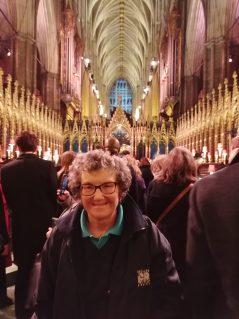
27	155
133	218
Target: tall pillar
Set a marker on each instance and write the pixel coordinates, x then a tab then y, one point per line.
191	88
24	64
215	65
50	89
67	50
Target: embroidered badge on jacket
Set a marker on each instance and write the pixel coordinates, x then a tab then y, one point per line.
143	277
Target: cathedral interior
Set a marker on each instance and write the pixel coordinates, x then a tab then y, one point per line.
153	73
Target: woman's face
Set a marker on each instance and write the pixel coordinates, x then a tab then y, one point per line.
100	206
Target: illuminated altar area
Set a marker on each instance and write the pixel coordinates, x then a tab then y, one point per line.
206	129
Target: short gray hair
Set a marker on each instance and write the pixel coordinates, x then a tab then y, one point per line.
93	161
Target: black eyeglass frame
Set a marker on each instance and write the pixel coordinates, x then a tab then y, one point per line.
98	186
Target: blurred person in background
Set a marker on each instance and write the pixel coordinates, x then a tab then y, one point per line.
64	196
29	184
178	171
157	164
145	168
139	179
66	160
176	177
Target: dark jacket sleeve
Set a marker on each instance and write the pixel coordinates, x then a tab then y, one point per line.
201	272
166	286
46	288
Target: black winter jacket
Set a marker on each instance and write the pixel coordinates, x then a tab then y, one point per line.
212	246
144	283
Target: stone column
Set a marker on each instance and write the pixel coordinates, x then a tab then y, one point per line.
50	90
215	64
191	89
24	64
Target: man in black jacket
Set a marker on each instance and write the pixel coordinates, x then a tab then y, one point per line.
29	185
212	245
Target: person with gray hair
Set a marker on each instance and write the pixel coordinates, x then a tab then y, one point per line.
104	259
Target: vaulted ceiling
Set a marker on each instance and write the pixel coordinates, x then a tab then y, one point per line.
119	40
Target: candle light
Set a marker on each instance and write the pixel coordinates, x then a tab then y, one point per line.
224	155
11	145
204	153
48	155
216	156
209	157
39	150
45	157
219	147
56	157
8	153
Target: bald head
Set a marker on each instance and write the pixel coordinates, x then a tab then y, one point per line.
113	145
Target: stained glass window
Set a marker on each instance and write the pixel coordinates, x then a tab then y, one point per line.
121	94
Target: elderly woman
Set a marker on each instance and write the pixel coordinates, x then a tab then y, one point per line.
104	259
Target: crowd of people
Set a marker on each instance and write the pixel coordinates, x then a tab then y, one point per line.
131	239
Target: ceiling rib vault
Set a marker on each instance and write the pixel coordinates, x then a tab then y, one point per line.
121	33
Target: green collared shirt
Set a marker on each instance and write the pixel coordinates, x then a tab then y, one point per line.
101	241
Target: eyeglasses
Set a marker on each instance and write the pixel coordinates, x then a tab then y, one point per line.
106	188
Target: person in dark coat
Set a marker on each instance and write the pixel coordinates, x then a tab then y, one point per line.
104	259
145	168
212	245
132	162
178	171
29	184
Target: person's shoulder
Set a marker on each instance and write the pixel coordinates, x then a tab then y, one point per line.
8	165
227	172
156	185
216	182
44	163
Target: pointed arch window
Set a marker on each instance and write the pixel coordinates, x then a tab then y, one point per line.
121	95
